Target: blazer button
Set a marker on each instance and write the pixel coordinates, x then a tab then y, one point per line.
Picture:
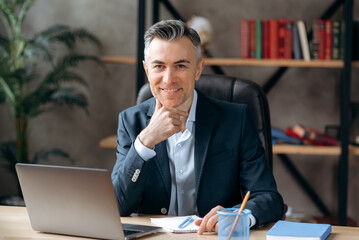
163	210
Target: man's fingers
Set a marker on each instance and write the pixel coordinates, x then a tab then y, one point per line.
158	105
209	222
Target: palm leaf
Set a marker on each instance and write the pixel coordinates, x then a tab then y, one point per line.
69	96
43	156
70	38
8	17
25	7
4	47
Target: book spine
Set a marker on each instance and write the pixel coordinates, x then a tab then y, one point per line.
328	40
273	39
259	37
244	38
265	39
336	40
252	38
288	41
321	39
342	39
281	38
314	45
297	50
303	39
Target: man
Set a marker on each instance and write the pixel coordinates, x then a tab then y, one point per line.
181	153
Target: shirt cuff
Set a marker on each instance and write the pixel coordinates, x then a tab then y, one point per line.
144	152
253	220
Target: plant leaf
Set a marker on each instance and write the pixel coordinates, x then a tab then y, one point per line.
69	96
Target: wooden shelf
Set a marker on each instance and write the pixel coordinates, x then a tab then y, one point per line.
312	150
250	62
110	142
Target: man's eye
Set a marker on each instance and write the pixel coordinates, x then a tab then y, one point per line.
181	66
158	67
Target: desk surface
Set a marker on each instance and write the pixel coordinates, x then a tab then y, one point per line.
15	225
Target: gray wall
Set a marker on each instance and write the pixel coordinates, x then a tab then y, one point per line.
304	95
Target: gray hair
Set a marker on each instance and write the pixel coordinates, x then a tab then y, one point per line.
171	30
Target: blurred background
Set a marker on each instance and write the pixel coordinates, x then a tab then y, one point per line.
310	96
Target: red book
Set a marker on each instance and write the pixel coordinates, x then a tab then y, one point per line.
328	40
244	38
311	136
273	39
321	39
252	38
281	38
288	41
265	41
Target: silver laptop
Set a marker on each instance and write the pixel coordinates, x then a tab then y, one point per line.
74	201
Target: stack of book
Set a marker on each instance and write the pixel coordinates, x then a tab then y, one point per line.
299	134
288	39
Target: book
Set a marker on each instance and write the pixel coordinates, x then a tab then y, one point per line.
303	40
328	39
259	39
298	231
273	39
279	135
311	136
288	41
314	43
282	29
297	50
266	47
336	39
252	38
172	224
321	39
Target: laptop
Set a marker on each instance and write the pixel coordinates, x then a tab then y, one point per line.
74	201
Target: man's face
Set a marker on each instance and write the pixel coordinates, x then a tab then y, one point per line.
172	70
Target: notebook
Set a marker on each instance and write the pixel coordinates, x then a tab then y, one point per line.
172	224
298	231
74	201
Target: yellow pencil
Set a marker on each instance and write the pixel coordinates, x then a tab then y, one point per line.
246	197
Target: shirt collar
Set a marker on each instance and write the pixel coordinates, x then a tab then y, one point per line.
192	112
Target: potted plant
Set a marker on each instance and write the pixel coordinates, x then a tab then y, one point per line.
28	92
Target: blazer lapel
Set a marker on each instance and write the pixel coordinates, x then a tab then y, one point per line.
206	117
161	158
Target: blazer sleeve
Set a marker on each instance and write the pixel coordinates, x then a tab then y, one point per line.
128	173
256	176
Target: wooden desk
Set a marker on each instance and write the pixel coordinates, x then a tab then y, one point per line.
15	225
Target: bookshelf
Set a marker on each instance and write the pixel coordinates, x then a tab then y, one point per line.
343	151
249	62
110	142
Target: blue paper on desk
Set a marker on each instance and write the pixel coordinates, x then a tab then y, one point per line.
296	230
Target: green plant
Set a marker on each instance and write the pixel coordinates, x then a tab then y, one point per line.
29	93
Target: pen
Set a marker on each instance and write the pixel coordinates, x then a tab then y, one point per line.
246	197
186	222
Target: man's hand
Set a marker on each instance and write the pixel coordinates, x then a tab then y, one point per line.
164	123
209	222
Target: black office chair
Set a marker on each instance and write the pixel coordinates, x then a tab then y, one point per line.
238	91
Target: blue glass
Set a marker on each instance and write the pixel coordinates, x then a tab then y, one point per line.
226	219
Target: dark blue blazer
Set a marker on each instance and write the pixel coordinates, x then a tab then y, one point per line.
229	161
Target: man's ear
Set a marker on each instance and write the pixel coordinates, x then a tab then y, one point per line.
145	67
199	69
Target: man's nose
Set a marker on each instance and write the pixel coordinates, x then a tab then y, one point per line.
168	76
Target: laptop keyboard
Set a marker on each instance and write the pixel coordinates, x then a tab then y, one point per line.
129	232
